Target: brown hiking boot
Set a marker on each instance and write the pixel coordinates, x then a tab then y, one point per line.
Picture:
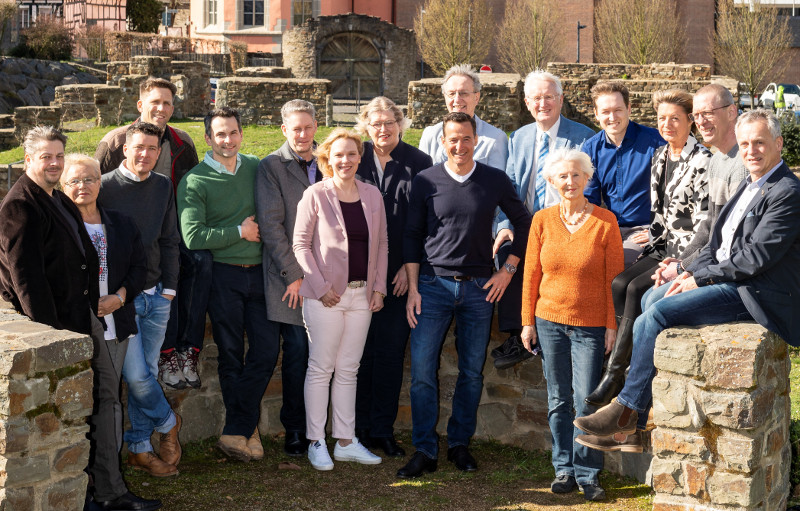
610	419
617	442
170	448
234	446
254	444
151	464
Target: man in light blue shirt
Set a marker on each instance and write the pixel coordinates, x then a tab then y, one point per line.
462	91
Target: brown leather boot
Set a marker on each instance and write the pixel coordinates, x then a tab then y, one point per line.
170	450
254	444
234	446
612	418
151	464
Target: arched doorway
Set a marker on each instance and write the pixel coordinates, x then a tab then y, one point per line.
353	65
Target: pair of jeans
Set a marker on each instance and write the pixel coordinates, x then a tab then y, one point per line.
148	409
187	317
442	299
237	306
706	305
573	364
509	308
380	375
293	372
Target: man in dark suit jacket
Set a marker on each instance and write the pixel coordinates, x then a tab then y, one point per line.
48	271
748	270
281	179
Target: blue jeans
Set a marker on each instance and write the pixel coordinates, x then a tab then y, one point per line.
237	306
707	305
148	409
187	317
293	372
443	298
573	365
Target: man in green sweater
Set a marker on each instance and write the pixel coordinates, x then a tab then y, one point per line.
216	207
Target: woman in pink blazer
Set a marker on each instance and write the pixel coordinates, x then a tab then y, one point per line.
340	242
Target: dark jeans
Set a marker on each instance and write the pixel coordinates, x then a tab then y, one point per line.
380	375
237	307
187	315
509	308
293	372
105	423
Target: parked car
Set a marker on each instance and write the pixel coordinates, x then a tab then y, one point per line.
214	91
791	95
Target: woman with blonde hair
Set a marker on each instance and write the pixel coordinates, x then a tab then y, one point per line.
389	164
340	243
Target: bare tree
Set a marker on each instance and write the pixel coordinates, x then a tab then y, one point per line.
751	44
451	32
639	31
531	35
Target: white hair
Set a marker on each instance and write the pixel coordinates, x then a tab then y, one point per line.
463	70
551	163
539	75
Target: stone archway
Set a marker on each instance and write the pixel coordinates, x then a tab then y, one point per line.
353	64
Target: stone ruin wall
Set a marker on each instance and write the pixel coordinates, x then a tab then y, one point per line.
259	100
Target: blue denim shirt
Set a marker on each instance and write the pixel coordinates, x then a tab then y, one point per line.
622	174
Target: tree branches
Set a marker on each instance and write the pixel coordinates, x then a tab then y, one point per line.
531	35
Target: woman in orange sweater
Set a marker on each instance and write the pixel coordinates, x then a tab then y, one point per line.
574	252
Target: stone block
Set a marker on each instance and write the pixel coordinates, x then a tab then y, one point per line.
679	444
17	499
503	391
203	416
73	396
47	423
494	419
734	489
667	476
58	349
532	413
72	458
739	453
737	410
695	476
24	471
14	359
679	350
14	435
671	408
66	495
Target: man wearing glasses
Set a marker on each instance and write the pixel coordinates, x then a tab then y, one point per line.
461	88
528	148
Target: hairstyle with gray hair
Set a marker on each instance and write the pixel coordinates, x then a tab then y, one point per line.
538	74
721	93
297	106
759	114
39	134
381	104
563	154
463	70
81	160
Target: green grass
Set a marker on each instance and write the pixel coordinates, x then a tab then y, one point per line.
258	140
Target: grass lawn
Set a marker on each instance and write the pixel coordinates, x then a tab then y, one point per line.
258	140
508	479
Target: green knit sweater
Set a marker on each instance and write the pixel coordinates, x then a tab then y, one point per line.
212	206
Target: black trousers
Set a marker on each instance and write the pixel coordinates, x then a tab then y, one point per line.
509	308
629	287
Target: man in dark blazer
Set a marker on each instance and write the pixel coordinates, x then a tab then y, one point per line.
48	271
748	270
281	179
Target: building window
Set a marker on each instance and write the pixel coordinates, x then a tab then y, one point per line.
253	13
211	12
304	9
24	17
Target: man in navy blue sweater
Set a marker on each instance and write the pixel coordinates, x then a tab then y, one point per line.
447	251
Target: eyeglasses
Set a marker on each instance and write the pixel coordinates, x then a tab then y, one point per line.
704	116
386	124
547	98
452	94
88	181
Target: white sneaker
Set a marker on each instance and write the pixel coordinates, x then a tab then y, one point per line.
319	457
355	452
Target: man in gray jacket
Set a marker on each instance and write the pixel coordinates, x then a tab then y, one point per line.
281	180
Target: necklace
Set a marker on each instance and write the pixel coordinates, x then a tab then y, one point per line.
580	219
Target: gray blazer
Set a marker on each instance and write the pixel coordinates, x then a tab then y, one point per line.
280	183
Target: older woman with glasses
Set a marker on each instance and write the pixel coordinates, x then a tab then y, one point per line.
389	164
574	252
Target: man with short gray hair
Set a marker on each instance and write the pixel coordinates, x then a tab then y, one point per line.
281	179
461	88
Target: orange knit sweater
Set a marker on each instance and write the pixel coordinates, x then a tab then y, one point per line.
568	276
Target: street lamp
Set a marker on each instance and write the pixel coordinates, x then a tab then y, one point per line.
421	35
580	27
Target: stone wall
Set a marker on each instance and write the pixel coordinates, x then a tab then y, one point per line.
259	100
27	117
31	82
263	72
721	407
45	397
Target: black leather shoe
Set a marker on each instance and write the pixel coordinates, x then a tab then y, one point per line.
130	502
563	484
514	354
503	348
593	492
389	446
364	438
295	443
462	459
418	465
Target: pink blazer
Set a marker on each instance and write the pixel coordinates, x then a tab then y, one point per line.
320	240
